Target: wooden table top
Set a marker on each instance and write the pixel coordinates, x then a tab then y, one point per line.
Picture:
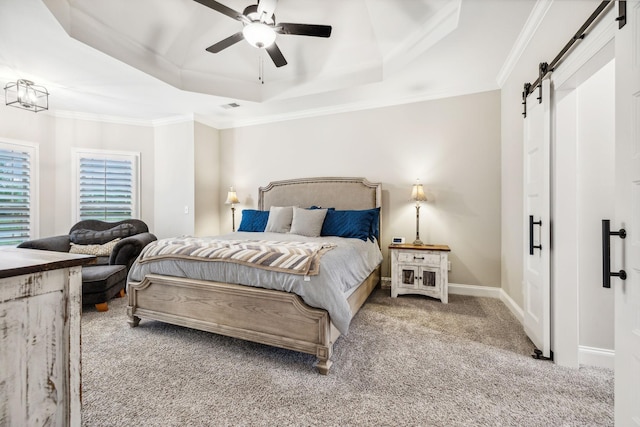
16	261
424	247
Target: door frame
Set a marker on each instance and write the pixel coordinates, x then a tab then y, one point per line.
590	56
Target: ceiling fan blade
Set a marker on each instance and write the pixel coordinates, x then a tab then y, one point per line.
219	7
276	55
304	29
223	44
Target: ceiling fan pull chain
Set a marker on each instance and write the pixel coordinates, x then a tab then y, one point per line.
260	68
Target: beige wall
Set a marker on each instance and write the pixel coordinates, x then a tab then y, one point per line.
175	184
55	137
207	180
186	154
36	128
73	133
452	145
560	23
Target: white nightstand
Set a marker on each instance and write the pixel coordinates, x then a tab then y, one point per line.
420	270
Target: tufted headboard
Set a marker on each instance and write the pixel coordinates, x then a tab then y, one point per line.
339	193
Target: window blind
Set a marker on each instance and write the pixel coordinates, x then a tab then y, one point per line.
106	189
15	196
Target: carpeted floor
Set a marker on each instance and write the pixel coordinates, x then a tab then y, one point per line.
406	361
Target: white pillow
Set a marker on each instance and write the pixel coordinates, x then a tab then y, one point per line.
280	219
308	222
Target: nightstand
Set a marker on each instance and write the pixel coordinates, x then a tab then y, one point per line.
420	270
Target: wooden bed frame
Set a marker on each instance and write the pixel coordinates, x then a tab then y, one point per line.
276	318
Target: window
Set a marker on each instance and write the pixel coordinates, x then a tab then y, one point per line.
106	185
18	190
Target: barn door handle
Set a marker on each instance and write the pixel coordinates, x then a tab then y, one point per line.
531	224
606	254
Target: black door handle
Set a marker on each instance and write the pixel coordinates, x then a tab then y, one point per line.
606	254
531	224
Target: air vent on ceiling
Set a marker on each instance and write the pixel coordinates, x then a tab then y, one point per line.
231	105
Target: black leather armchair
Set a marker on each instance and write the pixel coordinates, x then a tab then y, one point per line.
107	277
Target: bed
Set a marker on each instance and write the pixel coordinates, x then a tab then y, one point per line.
249	311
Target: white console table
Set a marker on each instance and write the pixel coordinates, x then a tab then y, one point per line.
40	309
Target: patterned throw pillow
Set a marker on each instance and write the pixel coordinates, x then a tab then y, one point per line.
97	250
356	224
94	237
253	220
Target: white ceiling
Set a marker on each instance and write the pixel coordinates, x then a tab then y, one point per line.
145	60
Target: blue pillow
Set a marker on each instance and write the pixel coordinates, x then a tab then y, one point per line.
320	207
253	220
353	224
375	223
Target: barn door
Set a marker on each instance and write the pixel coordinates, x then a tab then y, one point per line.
626	252
536	280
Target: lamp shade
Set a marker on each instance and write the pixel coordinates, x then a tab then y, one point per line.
417	193
232	198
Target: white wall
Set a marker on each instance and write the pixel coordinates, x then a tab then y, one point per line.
452	145
174	190
595	198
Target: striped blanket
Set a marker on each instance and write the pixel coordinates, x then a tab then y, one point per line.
289	257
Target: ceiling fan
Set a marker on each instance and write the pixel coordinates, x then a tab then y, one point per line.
260	28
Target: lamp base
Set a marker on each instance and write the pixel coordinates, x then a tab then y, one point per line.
417	242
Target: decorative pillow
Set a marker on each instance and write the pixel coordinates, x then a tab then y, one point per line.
307	222
94	237
375	223
280	219
352	223
253	220
97	250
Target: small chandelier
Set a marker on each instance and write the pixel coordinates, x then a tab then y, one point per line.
24	94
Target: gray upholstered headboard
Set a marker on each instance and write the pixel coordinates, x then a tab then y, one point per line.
339	193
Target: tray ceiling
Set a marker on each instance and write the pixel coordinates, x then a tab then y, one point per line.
146	59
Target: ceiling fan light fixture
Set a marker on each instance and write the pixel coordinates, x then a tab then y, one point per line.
259	35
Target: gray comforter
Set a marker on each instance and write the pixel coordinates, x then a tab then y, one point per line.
341	270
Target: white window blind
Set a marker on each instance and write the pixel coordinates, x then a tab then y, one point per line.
15	195
107	186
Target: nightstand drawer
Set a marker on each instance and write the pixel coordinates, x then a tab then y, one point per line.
420	258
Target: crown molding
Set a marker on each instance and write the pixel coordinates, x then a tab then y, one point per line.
218	123
355	106
172	120
77	115
534	20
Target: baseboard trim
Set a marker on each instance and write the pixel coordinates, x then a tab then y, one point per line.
599	357
489	292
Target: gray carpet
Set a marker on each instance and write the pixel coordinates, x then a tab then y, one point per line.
406	361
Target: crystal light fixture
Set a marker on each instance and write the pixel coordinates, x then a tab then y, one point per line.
26	95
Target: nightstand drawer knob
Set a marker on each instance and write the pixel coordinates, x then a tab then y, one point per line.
418	257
